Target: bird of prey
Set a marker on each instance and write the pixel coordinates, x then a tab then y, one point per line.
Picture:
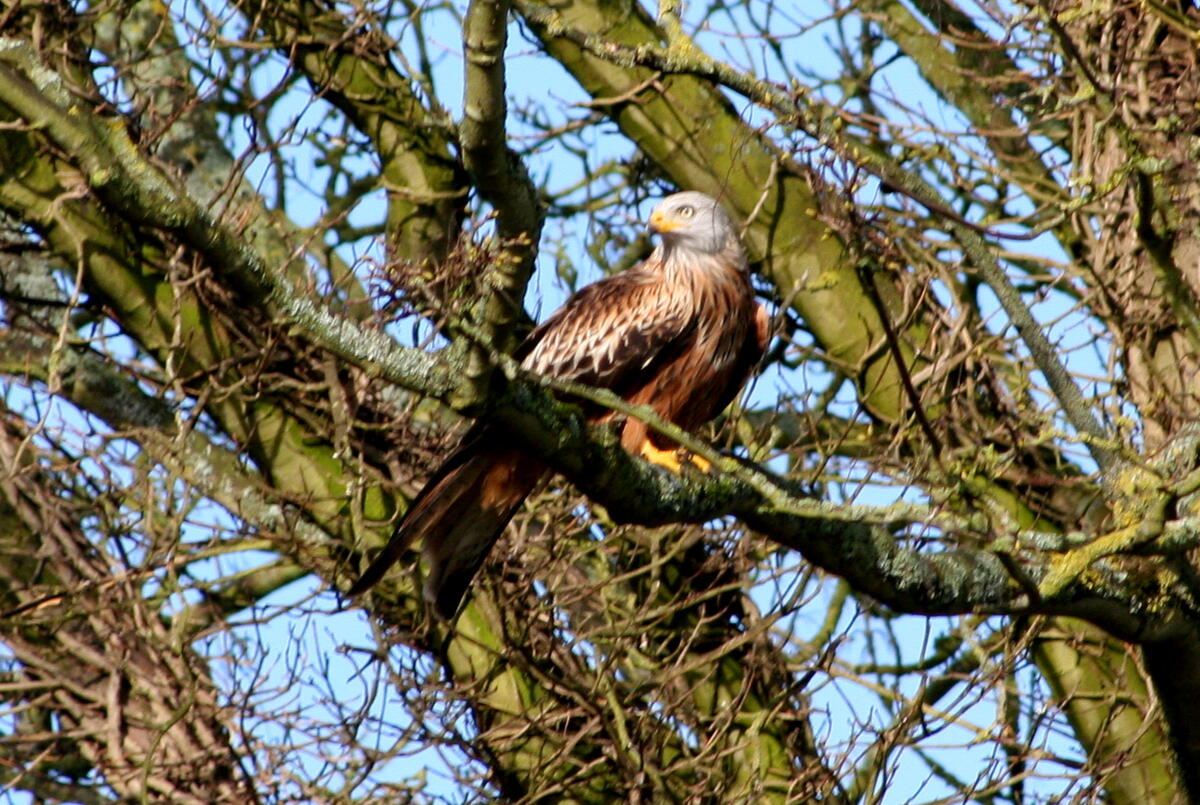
679	333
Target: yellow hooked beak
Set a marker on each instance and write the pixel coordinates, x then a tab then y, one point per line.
660	223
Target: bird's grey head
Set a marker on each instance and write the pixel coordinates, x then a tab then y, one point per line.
693	221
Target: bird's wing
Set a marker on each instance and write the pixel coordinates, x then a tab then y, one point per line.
613	333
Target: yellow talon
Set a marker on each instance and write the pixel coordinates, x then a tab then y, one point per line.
673	459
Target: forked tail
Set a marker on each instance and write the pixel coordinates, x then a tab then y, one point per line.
457	517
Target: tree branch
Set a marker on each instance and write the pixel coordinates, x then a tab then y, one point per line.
502	181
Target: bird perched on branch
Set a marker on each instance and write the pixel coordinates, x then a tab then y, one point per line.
679	333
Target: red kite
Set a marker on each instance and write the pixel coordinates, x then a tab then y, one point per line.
679	333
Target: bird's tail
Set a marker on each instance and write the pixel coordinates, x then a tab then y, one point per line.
457	517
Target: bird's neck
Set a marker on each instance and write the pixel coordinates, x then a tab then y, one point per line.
679	261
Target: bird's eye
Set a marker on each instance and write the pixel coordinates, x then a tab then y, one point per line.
686	211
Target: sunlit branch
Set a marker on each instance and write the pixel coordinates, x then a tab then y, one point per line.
502	181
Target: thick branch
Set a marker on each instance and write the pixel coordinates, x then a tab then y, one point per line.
502	181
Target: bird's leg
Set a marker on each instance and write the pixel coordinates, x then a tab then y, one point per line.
672	459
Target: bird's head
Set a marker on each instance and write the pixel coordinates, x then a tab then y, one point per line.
692	221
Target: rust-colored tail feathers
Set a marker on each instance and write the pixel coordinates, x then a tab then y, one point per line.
458	516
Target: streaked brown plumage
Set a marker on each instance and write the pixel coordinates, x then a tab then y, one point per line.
679	333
